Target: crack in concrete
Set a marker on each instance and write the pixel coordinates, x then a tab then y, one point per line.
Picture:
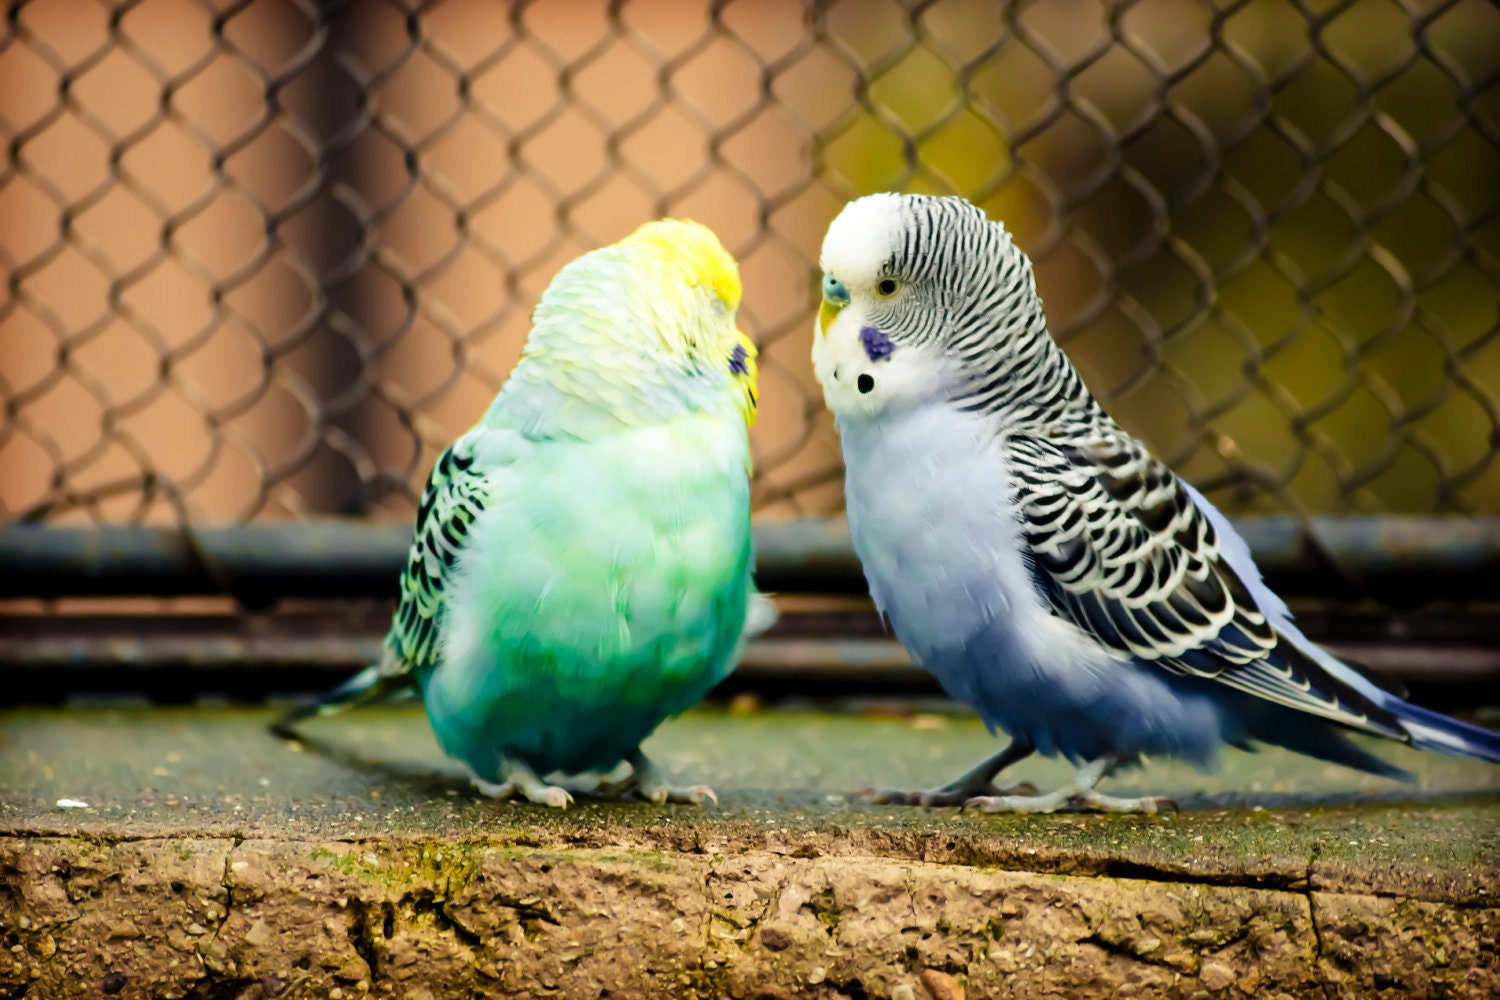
226	880
362	937
217	984
910	957
1318	947
1307	891
461	930
1123	951
528	908
435	905
710	910
773	902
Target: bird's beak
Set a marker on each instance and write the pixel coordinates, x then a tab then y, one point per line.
827	313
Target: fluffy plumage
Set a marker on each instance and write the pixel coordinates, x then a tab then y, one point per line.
582	562
1039	560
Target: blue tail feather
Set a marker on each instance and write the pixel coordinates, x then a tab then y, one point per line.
1431	730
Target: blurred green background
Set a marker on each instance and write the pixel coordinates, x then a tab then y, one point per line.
1266	232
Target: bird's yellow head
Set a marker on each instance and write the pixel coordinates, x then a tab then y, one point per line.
697	253
635	333
705	282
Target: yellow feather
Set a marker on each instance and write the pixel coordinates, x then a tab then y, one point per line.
696	249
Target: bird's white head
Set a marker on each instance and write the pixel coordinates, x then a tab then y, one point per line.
920	296
863	371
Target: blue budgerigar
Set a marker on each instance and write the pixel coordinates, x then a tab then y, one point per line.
582	563
1035	557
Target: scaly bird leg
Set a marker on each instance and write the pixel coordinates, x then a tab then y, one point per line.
977	781
1078	793
646	781
517	777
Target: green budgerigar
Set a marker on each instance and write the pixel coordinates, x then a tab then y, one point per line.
582	563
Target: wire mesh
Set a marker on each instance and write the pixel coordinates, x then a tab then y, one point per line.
265	258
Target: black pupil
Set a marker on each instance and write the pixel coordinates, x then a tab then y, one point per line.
887	287
866	383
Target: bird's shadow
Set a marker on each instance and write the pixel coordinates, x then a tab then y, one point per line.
421	779
1352	798
416	778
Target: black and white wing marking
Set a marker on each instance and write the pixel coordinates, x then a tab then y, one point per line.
455	495
1121	550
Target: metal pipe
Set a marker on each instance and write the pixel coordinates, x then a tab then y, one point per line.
1401	559
168	667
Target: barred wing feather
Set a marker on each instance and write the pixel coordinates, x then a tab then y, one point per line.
456	493
1121	550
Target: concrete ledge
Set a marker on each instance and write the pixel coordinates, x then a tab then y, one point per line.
216	918
213	861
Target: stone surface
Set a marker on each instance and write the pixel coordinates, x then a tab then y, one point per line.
201	857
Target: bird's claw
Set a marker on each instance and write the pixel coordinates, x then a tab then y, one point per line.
1021	789
1010	803
657	793
693	795
552	796
1070	801
494	789
1092	801
534	791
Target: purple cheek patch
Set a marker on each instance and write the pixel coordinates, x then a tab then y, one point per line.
737	360
878	346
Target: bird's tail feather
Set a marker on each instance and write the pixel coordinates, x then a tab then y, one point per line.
367	686
1431	730
1326	742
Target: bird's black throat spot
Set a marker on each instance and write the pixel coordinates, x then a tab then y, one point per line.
865	383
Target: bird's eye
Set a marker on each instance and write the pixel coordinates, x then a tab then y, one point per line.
886	287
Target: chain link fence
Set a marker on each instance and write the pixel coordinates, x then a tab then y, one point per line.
265	258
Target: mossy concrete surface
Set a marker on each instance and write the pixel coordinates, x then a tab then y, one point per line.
188	853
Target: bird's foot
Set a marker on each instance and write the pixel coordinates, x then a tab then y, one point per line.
955	793
528	786
1069	799
977	782
1099	802
646	782
1077	795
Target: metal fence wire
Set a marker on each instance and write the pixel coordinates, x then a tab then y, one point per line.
265	258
